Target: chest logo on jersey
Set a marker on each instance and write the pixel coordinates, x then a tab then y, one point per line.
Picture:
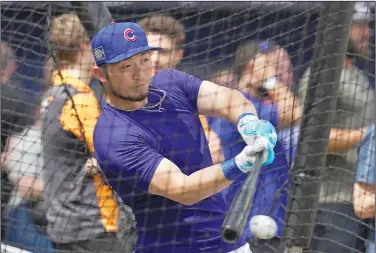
129	34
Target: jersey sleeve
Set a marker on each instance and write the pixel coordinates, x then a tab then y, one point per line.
132	159
189	85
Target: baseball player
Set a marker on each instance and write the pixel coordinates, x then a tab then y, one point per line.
147	143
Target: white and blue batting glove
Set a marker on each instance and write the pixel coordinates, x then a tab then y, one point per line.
260	136
254	130
243	162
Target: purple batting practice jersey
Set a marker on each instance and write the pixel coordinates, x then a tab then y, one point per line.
129	146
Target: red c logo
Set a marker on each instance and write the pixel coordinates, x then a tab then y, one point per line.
129	34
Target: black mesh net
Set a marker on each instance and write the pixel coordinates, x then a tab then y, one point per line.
55	199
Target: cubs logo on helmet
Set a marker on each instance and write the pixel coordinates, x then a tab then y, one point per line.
129	34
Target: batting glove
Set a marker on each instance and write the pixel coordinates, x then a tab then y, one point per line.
243	162
258	133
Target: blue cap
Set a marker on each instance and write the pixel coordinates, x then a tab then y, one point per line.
265	46
119	41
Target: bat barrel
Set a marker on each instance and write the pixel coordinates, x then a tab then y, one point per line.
236	217
231	232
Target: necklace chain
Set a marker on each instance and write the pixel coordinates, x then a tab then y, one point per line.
144	107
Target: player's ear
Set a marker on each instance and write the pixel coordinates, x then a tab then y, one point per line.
97	72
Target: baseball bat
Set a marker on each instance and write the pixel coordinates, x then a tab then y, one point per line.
236	217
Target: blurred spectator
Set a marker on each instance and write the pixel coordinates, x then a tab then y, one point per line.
364	187
25	216
271	194
360	30
278	57
354	113
225	77
49	69
16	112
83	214
266	57
8	62
274	90
168	33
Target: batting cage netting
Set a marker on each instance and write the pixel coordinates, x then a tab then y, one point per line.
111	140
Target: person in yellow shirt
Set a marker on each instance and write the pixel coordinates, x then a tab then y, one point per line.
83	213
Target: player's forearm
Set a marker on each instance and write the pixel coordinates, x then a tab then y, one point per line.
290	110
220	102
342	140
168	181
201	185
238	105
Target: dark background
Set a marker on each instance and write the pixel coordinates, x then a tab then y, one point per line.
213	31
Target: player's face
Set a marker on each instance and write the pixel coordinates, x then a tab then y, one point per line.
360	35
130	79
169	57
